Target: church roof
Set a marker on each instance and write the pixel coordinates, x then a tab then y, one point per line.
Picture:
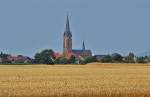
77	51
80	51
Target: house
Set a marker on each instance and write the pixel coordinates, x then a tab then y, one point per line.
18	59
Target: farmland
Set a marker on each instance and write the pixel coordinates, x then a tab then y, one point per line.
93	80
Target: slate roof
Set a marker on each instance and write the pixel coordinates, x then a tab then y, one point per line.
80	51
77	51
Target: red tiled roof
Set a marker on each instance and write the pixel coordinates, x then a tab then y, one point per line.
57	55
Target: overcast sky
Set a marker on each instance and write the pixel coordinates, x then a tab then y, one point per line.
106	26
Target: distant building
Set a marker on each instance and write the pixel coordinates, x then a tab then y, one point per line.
18	59
67	44
57	55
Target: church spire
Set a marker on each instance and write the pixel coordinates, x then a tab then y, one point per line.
67	25
67	30
83	46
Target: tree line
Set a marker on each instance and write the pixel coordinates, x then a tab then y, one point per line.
47	56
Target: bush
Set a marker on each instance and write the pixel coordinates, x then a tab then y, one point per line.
107	59
61	60
90	59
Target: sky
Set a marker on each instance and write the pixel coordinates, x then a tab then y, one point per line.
106	26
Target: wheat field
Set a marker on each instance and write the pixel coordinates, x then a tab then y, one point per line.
92	80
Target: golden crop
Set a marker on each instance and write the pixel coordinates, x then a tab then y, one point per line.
93	80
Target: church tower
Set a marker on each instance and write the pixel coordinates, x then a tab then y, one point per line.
67	42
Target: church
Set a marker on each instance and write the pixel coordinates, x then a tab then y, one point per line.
67	44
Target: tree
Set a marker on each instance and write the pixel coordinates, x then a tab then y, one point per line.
81	60
45	57
3	55
61	60
90	59
37	58
116	57
141	60
72	60
4	58
130	58
107	59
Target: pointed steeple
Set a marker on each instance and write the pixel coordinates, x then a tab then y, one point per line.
67	25
83	46
67	30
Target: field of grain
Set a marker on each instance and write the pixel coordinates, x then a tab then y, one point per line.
93	80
